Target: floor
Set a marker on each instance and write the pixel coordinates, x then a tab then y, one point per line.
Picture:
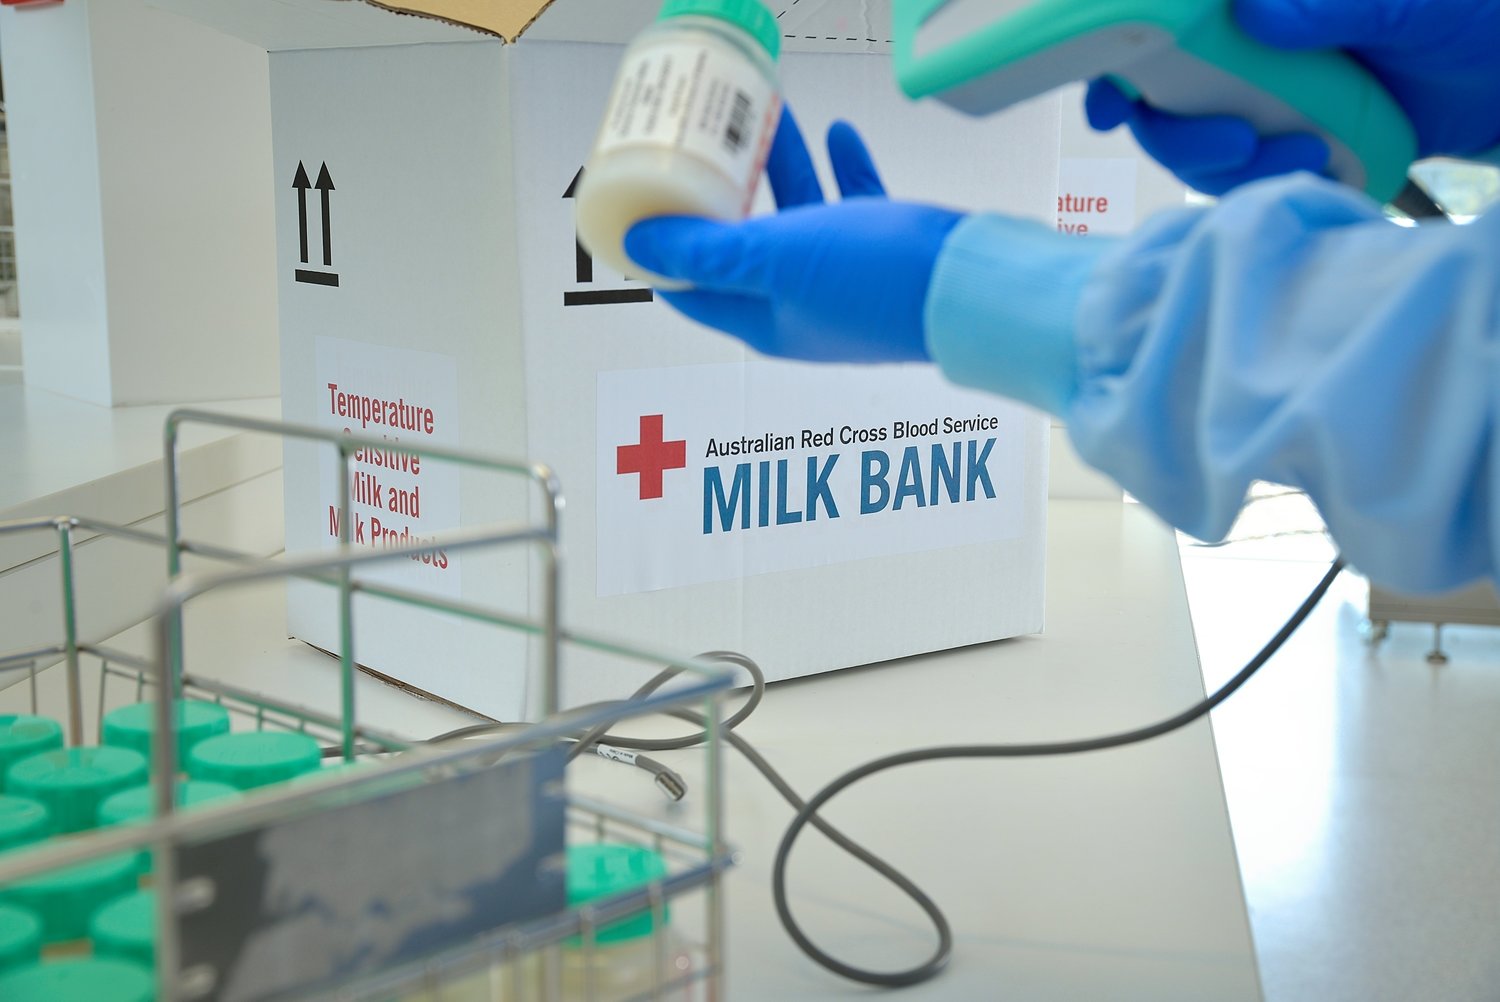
1363	783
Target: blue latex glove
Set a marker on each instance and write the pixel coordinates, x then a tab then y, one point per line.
1436	57
821	282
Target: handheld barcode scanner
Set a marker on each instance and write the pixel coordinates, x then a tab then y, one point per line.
1182	56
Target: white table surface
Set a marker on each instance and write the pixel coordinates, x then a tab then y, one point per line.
52	445
1106	876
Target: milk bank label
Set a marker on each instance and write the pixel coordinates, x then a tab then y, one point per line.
715	472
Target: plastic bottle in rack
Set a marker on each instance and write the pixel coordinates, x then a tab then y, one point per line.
623	962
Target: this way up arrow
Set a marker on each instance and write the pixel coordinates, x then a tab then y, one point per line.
325	185
301	183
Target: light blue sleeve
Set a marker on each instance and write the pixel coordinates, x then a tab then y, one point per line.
1289	334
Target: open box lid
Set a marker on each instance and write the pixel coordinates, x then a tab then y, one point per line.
277	25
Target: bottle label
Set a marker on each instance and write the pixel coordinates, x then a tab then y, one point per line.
697	98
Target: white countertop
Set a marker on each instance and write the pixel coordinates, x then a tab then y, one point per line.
55	448
1104	876
1111	875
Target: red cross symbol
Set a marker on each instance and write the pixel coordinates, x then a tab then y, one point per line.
651	457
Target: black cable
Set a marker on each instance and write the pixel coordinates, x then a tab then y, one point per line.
668	780
757	692
599	735
807	810
940	957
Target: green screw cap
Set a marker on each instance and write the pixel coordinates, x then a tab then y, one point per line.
73	782
20	938
750	16
22	736
94	979
127	929
604	869
134	726
66	899
259	758
139	803
22	820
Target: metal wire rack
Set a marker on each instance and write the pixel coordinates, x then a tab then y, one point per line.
542	948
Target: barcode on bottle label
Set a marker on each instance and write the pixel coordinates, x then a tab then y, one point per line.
696	98
739	120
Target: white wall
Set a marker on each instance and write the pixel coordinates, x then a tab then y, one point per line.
184	118
144	204
54	157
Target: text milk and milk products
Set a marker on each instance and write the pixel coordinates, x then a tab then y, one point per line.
433	290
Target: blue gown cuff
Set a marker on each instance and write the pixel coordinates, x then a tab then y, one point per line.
1001	308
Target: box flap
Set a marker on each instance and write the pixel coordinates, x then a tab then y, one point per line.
504	18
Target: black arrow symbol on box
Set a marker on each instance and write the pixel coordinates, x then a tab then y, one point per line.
325	185
583	272
301	183
583	264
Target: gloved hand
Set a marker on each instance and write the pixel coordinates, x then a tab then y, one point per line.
840	282
1436	57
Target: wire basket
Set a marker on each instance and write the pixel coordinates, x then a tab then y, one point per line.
435	870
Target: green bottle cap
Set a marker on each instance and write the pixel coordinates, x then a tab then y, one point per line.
750	16
256	758
66	899
20	937
93	979
134	726
603	869
23	736
139	802
22	820
73	782
127	928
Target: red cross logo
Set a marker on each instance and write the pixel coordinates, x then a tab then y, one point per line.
651	457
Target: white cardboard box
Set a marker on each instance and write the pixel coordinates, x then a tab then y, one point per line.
444	169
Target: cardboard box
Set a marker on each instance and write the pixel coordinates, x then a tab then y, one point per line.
808	516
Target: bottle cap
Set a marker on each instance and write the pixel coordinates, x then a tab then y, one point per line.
750	16
127	929
603	869
22	736
254	758
134	726
66	899
20	937
73	782
93	979
140	801
22	820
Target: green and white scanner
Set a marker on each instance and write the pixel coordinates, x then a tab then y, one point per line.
1182	56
